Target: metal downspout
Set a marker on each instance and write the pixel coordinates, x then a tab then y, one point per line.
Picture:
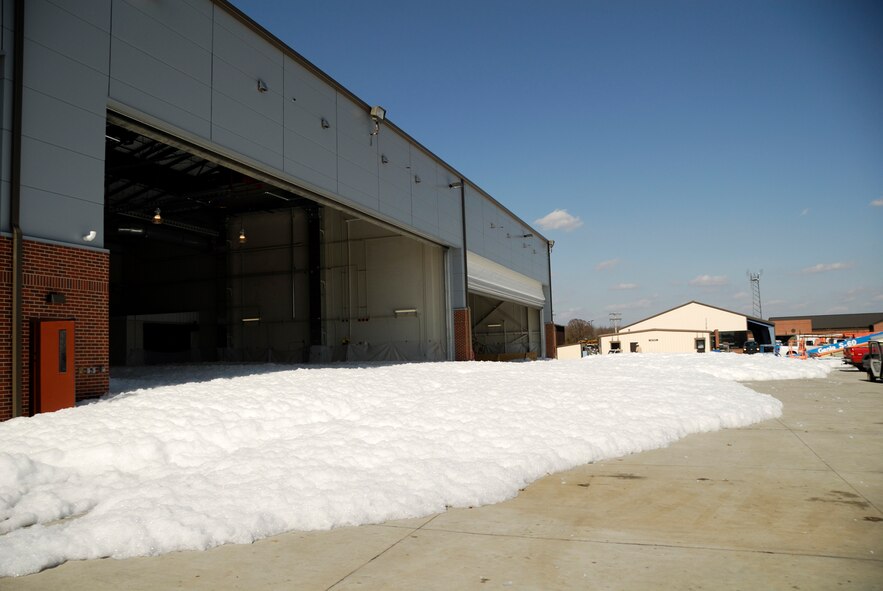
549	246
15	209
465	258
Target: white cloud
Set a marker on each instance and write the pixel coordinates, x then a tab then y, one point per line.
709	281
605	265
624	286
825	267
559	220
878	298
877	202
741	295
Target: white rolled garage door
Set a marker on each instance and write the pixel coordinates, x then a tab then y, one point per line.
494	280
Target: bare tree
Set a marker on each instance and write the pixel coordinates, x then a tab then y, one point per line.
578	330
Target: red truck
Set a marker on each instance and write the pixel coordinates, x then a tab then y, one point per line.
855	355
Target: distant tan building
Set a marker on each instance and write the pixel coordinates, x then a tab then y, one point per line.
691	327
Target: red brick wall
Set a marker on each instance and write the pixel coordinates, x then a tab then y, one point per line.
551	341
787	328
81	276
463	335
5	328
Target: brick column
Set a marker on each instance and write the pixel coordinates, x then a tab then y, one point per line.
6	328
463	335
551	341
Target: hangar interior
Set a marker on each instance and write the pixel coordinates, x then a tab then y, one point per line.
209	263
502	327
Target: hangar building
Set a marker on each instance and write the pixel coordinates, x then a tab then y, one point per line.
179	185
690	327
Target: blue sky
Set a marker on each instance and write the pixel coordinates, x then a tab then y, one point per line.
687	141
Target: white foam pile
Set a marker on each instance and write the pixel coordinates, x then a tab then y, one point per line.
197	456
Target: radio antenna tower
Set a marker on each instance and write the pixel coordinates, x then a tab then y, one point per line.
754	278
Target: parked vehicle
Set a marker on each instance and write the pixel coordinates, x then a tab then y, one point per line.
855	355
875	360
750	347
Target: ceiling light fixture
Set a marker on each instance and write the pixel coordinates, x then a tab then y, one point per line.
157	217
242	238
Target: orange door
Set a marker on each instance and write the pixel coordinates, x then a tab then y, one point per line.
54	371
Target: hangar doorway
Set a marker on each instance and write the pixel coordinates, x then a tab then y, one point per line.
506	309
211	261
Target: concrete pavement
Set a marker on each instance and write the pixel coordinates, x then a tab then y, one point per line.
793	503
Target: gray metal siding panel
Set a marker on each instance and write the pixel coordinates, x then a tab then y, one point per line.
63	119
182	20
62	124
55	74
63	30
244	119
310	161
58	217
158	89
72	174
182	41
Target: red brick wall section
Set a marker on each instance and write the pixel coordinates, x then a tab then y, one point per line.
551	342
5	328
463	335
81	276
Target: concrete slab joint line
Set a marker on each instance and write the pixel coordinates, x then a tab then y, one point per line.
792	503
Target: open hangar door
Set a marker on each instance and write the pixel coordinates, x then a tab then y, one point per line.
506	311
212	263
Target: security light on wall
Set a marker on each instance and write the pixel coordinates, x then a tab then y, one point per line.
455	185
405	312
242	237
262	86
378	114
90	236
325	124
157	216
495	325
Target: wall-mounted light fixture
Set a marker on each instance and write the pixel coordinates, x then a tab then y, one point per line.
455	185
405	312
528	235
495	325
90	236
378	115
157	217
325	124
384	159
242	237
252	319
136	231
417	178
262	86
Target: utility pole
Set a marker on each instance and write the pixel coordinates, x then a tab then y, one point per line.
757	307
